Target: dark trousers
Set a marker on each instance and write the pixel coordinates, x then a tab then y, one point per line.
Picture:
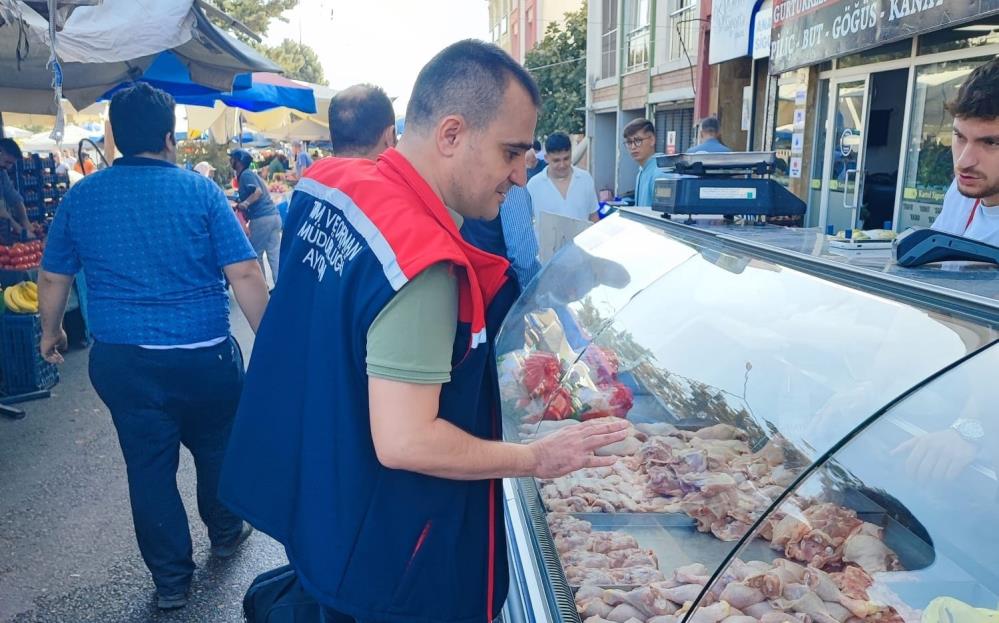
158	400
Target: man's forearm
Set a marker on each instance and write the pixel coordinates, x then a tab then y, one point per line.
251	294
445	451
53	292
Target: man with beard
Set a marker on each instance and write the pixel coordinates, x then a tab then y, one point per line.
971	206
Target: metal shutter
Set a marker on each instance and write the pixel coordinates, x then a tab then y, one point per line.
680	121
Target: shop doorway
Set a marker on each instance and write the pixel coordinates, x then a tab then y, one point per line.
863	146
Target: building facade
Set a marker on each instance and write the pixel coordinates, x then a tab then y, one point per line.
518	25
852	98
641	61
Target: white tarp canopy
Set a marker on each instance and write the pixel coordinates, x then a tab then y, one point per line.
111	43
301	130
72	135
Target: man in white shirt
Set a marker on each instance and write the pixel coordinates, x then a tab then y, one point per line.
971	206
561	188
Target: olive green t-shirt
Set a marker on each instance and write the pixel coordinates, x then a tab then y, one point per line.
412	338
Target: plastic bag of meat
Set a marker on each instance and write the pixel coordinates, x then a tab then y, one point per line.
560	405
603	362
608	400
540	373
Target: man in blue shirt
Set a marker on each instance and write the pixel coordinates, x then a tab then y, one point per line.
154	241
302	158
710	138
640	139
261	213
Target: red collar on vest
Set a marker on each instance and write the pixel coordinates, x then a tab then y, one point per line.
489	270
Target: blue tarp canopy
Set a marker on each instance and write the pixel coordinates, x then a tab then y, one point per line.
258	92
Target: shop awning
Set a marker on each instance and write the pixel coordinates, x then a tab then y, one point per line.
115	42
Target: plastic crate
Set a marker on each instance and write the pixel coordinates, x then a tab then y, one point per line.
22	369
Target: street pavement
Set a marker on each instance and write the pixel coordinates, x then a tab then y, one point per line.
67	549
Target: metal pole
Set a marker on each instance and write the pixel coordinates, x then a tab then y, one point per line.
240	129
2	135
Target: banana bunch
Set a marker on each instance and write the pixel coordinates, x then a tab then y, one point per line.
22	298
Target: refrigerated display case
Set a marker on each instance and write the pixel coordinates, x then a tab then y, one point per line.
811	436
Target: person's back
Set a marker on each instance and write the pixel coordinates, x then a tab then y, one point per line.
150	256
710	138
154	240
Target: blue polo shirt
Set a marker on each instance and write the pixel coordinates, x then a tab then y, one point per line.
152	239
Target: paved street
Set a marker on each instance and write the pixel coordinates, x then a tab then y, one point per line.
67	550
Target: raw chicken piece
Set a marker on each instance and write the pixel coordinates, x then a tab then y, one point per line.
817	549
721	431
789	529
626	447
741	596
757	611
838	611
593	608
580	558
779	617
581	576
683	594
636	575
695	573
589	592
824	586
606	542
615	596
869	552
623	612
715	613
853	582
740	618
597	620
667	618
790	570
834	520
659	429
799	598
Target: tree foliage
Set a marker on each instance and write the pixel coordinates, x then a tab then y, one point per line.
299	61
256	14
558	64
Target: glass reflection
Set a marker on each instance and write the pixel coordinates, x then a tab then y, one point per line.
896	526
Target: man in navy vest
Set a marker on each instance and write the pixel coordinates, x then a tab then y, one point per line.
368	438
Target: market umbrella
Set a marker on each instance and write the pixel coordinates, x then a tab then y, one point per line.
113	42
257	92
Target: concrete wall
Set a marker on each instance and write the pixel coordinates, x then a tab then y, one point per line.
603	150
635	90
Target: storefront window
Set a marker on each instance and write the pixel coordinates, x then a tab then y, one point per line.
985	32
789	123
818	160
929	165
890	52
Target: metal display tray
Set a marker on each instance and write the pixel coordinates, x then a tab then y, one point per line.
674	539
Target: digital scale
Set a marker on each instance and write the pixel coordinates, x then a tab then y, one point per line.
724	184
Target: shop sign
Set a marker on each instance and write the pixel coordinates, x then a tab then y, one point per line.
671	142
811	31
795	172
729	29
762	24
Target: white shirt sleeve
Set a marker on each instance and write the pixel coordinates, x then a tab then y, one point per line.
591	189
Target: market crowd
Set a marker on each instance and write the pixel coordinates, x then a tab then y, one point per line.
364	435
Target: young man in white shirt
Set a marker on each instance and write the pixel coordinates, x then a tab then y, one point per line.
971	206
561	188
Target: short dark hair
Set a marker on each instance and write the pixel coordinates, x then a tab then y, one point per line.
639	125
559	141
241	156
141	115
466	78
711	124
978	97
358	116
536	145
10	147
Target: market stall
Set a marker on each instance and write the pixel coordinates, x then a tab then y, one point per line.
800	431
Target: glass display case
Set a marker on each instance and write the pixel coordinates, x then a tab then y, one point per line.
786	414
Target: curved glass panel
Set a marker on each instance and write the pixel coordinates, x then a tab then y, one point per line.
735	373
897	525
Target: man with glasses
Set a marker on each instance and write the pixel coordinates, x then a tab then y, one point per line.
640	139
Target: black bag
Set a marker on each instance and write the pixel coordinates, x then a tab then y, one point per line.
277	596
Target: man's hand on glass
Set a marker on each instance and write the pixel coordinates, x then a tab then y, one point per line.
573	447
938	456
